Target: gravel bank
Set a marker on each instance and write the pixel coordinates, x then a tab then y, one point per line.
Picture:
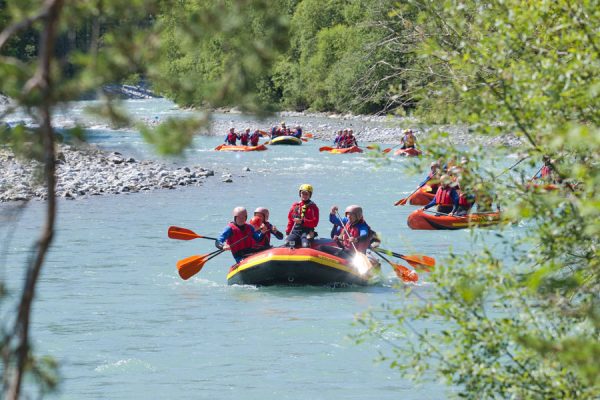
89	172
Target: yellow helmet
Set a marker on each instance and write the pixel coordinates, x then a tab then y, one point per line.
306	188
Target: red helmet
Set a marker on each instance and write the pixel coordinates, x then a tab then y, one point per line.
263	211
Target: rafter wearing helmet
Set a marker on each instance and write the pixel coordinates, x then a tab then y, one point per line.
359	234
303	218
260	221
239	236
408	141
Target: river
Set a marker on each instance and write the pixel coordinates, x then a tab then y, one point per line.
113	311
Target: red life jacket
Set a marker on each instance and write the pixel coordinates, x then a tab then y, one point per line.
237	234
244	138
231	138
546	171
266	240
463	201
354	232
254	138
442	197
309	212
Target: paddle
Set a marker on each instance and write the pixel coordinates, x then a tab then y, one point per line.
219	147
178	233
190	266
387	150
308	135
415	260
401	271
403	201
372	146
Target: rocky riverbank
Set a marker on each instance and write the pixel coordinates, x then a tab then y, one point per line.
89	171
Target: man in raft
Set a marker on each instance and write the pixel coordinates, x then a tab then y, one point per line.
260	222
303	218
354	224
239	236
254	138
409	140
432	178
446	197
231	137
245	137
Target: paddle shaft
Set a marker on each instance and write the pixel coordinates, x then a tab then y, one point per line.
404	200
346	230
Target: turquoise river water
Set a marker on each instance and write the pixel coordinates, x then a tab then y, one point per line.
113	311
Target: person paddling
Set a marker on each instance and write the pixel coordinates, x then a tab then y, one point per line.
409	140
432	178
241	234
446	197
303	218
245	137
254	138
360	233
260	222
231	138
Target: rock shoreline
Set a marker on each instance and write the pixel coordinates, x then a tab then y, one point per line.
83	172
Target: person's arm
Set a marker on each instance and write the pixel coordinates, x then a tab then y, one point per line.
290	223
455	199
427	179
220	242
311	217
257	235
431	204
278	234
333	218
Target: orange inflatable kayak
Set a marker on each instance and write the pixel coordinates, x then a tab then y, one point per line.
303	266
333	150
225	147
421	220
421	197
408	152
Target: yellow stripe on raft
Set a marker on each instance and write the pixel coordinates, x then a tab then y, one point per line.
318	259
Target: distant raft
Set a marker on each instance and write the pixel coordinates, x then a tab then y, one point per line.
421	220
297	267
225	147
290	140
353	149
422	196
410	152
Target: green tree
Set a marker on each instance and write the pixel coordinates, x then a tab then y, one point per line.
520	318
117	40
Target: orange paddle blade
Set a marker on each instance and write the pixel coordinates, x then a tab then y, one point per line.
190	266
386	150
401	202
325	148
176	232
263	133
419	259
308	135
372	146
219	147
304	140
405	274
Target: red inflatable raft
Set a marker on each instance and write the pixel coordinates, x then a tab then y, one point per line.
421	220
422	196
225	147
289	266
410	152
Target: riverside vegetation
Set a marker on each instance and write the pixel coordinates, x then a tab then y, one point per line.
522	326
